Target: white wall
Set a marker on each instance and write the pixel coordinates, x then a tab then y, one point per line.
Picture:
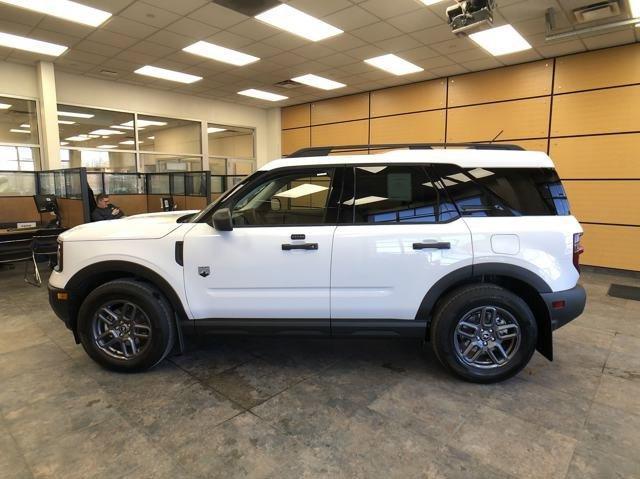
21	80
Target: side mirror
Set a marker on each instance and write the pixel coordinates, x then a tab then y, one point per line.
222	220
275	204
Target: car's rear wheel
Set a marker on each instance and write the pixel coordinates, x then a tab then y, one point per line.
484	333
126	325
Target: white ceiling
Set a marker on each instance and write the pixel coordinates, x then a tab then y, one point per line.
155	31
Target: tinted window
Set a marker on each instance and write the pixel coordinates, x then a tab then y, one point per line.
394	194
293	198
505	191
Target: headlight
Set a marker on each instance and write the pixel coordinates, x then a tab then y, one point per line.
59	256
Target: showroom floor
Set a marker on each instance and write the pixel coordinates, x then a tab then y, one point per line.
291	408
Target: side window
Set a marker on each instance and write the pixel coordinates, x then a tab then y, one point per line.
505	191
394	194
291	198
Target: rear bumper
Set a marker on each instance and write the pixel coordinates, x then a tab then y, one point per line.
565	306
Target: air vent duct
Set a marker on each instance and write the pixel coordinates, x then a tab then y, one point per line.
288	84
597	11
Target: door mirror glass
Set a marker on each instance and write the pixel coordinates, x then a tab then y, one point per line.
222	220
275	204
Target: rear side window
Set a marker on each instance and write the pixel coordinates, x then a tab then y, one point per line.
382	194
505	191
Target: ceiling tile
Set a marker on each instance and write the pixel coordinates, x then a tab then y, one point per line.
84	57
217	16
337	59
287	41
610	39
527	10
113	39
453	46
53	37
386	9
436	62
19	15
261	50
564	48
181	7
128	27
376	32
343	42
415	20
419	53
192	28
229	40
351	18
54	24
319	9
112	6
170	39
254	29
74	66
448	70
149	15
356	68
95	47
266	66
469	55
396	44
288	59
483	64
313	51
184	58
432	35
366	52
152	49
14	28
139	59
521	57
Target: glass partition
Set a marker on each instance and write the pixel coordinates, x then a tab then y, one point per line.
19	137
95	182
177	184
158	183
169	163
196	184
169	135
97	160
124	183
13	183
231	150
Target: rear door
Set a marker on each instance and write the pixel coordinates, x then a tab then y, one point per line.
398	235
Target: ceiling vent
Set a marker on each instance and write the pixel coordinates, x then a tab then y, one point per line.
597	11
250	8
288	84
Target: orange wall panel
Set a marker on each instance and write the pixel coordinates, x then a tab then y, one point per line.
296	116
425	127
429	95
346	108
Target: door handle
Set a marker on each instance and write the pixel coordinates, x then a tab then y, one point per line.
434	245
288	246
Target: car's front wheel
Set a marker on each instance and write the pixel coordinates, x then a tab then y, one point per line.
126	325
484	333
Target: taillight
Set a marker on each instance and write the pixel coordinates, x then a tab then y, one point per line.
577	250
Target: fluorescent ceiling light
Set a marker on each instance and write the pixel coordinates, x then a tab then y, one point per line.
634	6
221	54
213	129
65	9
63	143
299	23
73	114
78	138
364	201
122	127
4	106
460	177
151	138
262	95
106	132
66	122
302	190
142	123
128	142
16	130
107	146
430	2
500	40
25	125
31	45
318	82
480	173
165	74
394	64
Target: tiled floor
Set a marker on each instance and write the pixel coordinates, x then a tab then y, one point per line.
316	408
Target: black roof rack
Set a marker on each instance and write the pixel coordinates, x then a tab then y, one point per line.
326	150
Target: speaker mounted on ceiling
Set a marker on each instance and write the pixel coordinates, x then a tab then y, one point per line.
250	8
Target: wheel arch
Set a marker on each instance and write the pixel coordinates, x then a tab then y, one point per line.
516	279
94	275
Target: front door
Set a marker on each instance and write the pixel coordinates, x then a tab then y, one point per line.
404	235
275	263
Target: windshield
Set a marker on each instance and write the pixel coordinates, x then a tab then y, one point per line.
205	213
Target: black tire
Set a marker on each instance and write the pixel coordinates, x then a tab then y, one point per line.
455	307
158	316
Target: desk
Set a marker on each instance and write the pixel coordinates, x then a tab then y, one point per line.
15	231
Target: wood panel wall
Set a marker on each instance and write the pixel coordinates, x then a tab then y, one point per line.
581	109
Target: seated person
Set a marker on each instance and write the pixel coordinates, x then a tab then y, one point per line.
105	210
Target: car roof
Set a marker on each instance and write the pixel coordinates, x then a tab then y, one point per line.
463	157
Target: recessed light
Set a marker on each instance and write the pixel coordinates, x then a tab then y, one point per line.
165	74
500	40
318	82
213	129
142	123
65	9
4	106
73	114
221	54
107	146
31	45
16	130
66	122
299	23
394	64
262	95
103	132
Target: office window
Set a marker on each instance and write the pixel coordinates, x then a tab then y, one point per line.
98	160
394	194
170	163
294	198
19	137
169	135
231	150
80	127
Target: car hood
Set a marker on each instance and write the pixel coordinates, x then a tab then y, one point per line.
145	226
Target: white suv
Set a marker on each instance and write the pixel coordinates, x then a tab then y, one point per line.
471	248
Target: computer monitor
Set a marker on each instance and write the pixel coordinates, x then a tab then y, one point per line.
167	203
46	203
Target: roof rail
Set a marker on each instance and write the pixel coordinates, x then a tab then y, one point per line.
326	150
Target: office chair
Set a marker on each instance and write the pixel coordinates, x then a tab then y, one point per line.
43	243
16	248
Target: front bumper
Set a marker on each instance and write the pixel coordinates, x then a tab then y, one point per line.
565	306
64	308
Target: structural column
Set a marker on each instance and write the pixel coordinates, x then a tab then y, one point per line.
50	141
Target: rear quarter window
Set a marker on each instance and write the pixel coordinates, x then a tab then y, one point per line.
505	191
